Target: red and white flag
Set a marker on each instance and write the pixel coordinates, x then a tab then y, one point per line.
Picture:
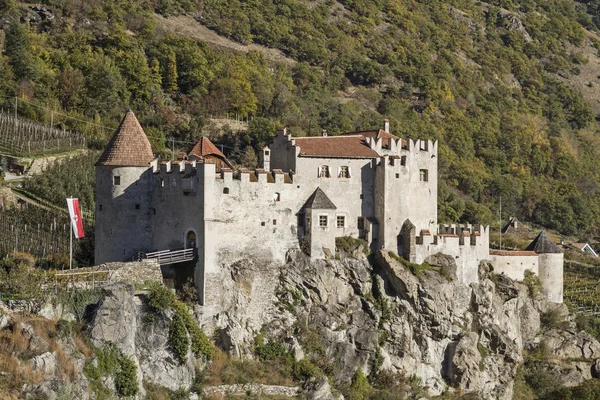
76	220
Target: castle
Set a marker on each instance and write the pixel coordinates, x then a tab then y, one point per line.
310	190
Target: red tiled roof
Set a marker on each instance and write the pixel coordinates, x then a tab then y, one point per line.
345	146
129	146
204	147
494	252
377	134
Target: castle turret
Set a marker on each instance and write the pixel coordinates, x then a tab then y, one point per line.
550	266
123	194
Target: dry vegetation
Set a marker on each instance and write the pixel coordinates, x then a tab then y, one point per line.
28	336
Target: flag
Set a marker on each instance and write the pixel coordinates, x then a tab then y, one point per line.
76	220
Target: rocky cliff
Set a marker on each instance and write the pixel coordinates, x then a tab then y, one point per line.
382	316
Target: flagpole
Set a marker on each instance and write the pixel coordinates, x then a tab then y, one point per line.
71	241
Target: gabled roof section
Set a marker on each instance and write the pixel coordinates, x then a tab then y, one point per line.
204	147
319	201
344	146
129	146
543	244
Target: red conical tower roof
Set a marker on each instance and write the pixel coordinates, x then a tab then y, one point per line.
129	146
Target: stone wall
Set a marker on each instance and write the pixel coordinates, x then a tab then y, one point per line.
514	263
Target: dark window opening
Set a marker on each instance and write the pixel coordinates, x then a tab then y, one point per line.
322	220
100	207
116	180
397	176
341	221
403	160
423	175
262	224
274	222
226	190
361	196
424	145
361	223
137	206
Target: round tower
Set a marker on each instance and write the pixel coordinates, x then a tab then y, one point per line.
550	266
124	194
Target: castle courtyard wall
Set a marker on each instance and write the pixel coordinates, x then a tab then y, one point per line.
514	266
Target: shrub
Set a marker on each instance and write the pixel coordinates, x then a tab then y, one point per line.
533	282
178	337
552	319
304	370
126	378
160	296
348	244
272	350
360	387
542	380
416	269
201	346
188	293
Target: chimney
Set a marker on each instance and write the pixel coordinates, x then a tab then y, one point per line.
324	132
386	125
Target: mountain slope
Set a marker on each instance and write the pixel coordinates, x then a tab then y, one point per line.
497	83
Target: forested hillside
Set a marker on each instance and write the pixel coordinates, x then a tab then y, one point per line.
491	81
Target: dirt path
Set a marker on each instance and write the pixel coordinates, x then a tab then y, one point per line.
187	26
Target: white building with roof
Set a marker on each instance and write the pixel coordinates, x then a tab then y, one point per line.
370	185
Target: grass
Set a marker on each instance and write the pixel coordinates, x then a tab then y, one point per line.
416	269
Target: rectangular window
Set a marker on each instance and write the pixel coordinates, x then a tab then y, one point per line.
274	222
322	220
162	182
423	175
100	207
403	160
341	221
424	145
324	171
116	180
344	172
361	223
137	206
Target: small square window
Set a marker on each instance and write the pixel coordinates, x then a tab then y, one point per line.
137	206
174	182
267	152
322	220
274	222
262	223
397	176
361	196
226	190
116	180
424	145
341	221
324	171
423	175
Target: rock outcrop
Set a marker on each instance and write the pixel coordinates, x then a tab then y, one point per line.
384	317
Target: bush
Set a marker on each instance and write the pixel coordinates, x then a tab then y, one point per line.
126	378
360	387
542	380
272	350
201	346
188	293
348	244
552	319
304	370
178	337
533	283
160	297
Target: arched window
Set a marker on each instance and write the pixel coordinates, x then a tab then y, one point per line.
324	171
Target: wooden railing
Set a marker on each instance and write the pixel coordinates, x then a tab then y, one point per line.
166	257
